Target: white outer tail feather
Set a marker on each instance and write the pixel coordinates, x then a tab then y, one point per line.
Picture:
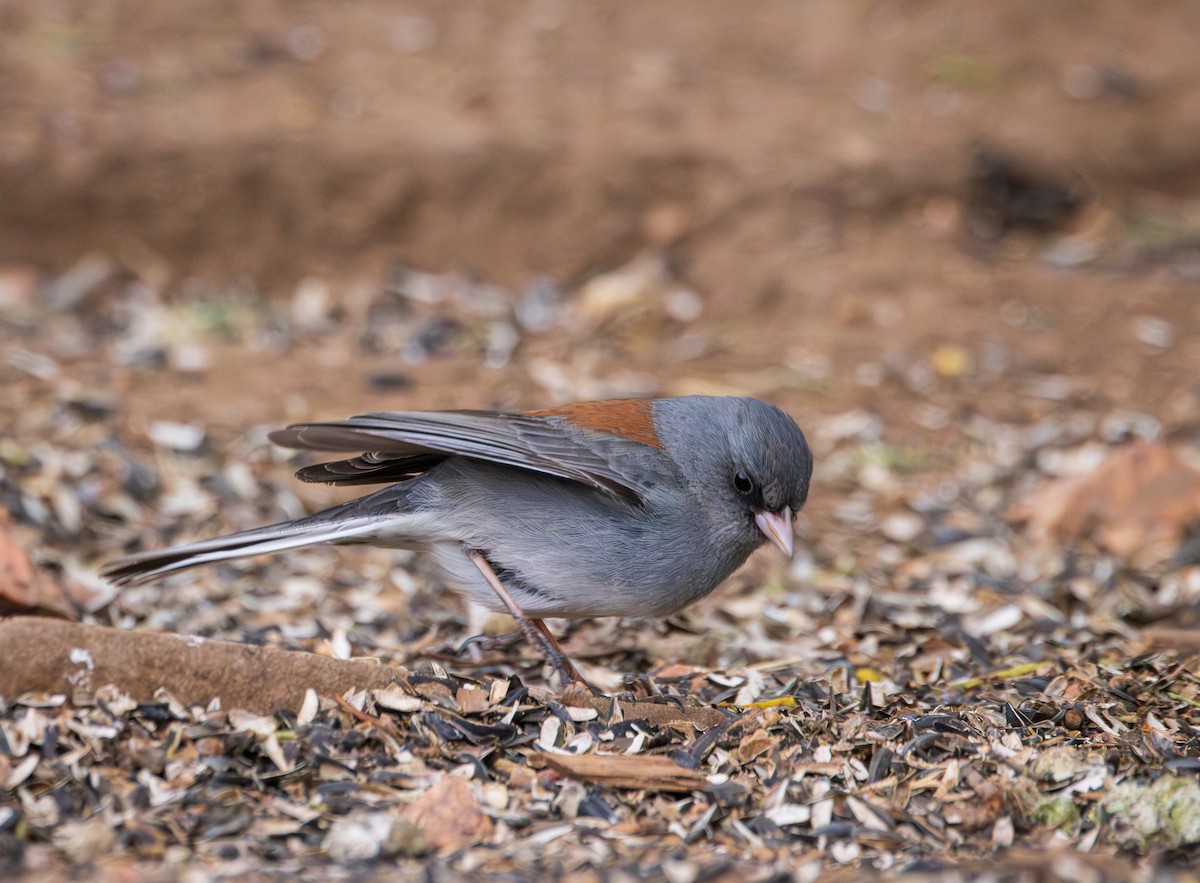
142	567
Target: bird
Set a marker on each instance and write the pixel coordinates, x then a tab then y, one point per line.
622	507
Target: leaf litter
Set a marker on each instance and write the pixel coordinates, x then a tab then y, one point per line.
930	686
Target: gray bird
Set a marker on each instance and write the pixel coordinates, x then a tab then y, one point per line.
626	507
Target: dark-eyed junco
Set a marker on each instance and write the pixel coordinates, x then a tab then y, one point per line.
626	507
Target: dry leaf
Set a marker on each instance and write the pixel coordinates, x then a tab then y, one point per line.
758	742
24	588
1140	499
449	816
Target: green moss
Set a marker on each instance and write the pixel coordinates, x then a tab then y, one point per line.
221	317
1160	233
895	458
1058	812
962	71
1164	813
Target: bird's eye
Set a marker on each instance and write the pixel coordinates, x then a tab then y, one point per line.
743	483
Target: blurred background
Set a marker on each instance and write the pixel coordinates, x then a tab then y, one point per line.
919	227
806	170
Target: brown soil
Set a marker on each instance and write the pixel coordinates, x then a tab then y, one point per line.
800	164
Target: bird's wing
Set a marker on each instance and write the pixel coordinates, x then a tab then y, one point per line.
565	443
370	468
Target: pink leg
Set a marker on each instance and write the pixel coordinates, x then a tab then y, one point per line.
534	630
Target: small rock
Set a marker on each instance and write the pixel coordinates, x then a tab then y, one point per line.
1069	252
1002	833
1154	332
502	340
357	838
539	309
684	305
311	304
902	527
190	358
306	43
182	437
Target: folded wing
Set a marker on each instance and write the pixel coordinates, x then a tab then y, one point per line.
401	444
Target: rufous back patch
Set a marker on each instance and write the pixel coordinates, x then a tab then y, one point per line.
630	418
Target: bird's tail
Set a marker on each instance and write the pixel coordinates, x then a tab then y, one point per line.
146	566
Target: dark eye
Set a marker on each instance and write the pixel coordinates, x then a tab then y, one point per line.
743	483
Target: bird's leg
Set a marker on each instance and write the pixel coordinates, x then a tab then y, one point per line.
561	662
534	630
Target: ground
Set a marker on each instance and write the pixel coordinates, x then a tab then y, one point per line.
960	243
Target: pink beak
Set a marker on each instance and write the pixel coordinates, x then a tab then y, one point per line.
777	527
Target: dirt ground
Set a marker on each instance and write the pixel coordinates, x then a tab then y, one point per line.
799	164
921	215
